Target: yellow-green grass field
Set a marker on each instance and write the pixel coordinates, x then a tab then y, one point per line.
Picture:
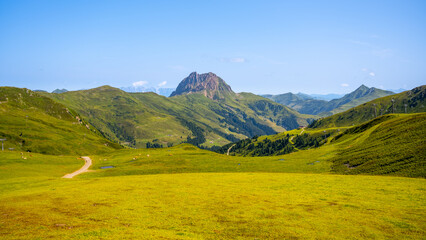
187	193
186	158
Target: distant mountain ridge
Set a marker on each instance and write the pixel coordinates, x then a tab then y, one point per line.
399	90
326	97
203	111
161	91
300	103
361	95
412	101
59	90
306	105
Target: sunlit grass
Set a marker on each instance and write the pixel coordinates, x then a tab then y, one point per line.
219	206
186	158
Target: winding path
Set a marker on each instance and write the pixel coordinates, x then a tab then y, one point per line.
229	149
291	139
82	169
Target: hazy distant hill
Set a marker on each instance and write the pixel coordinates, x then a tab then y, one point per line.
326	97
412	101
59	90
361	95
31	122
313	106
300	103
161	91
204	111
399	90
165	91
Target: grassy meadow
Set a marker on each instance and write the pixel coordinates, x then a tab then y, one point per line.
186	158
187	193
218	206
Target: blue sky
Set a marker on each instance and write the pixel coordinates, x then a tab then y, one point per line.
255	46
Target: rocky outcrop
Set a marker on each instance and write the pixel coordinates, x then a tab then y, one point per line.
208	84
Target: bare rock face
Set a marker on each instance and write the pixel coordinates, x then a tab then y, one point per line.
208	84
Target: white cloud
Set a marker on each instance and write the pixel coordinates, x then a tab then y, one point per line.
344	85
238	60
139	84
234	60
370	72
162	83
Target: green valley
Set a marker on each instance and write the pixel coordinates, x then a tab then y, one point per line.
148	120
360	178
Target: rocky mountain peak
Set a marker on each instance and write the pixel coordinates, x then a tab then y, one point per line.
362	88
208	84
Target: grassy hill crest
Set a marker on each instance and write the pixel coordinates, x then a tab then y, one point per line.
32	122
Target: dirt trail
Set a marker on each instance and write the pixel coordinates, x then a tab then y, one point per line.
229	149
291	139
82	169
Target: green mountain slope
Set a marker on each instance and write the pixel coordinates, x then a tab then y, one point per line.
392	144
250	108
279	144
306	105
206	112
120	116
31	122
298	102
361	95
412	101
388	145
243	115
